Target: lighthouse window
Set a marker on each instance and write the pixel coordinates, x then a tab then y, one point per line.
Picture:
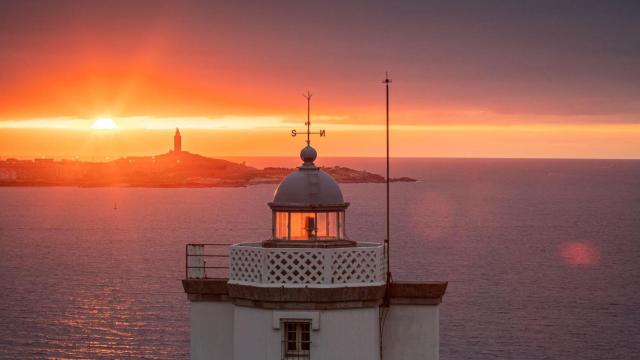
327	225
320	225
341	224
282	226
303	225
296	342
332	226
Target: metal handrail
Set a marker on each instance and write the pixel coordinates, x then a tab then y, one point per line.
202	256
207	255
209	244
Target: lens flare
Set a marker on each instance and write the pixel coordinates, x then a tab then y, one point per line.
578	253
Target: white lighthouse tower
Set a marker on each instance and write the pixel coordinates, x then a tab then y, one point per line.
308	292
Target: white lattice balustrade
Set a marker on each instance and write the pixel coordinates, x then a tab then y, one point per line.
252	264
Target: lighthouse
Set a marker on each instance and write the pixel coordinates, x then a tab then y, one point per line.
309	291
177	141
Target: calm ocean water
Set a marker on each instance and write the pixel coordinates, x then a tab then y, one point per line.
542	258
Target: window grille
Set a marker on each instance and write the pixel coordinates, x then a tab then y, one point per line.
296	339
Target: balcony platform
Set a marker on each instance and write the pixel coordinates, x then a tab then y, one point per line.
303	278
400	293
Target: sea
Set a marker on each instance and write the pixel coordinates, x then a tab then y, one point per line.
542	257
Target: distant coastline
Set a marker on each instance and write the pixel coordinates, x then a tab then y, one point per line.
174	169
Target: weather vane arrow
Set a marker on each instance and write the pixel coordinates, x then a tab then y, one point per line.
322	133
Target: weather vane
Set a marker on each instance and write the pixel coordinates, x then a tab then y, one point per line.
294	133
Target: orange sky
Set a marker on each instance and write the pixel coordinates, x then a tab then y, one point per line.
469	81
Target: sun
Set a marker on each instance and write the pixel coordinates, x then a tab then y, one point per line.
104	123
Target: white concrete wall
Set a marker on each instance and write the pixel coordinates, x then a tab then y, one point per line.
253	335
222	331
211	330
339	335
347	335
411	332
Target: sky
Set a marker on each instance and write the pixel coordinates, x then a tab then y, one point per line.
558	79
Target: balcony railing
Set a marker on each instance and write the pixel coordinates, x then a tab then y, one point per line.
207	261
253	264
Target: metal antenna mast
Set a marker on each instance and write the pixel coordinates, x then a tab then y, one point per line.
387	296
386	83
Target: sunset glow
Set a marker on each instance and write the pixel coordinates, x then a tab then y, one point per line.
104	124
242	87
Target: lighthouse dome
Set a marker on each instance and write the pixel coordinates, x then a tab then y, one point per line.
309	186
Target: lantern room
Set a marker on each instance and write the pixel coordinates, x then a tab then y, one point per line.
308	205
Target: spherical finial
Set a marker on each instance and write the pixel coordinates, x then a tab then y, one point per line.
308	155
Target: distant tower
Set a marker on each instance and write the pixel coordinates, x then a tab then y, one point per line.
177	141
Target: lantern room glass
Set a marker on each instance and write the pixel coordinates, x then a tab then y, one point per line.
308	225
281	226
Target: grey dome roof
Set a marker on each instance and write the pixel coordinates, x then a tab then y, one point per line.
309	186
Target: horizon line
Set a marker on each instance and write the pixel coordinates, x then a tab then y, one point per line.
223	157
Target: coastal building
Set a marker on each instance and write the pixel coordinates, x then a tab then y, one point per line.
177	141
310	291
